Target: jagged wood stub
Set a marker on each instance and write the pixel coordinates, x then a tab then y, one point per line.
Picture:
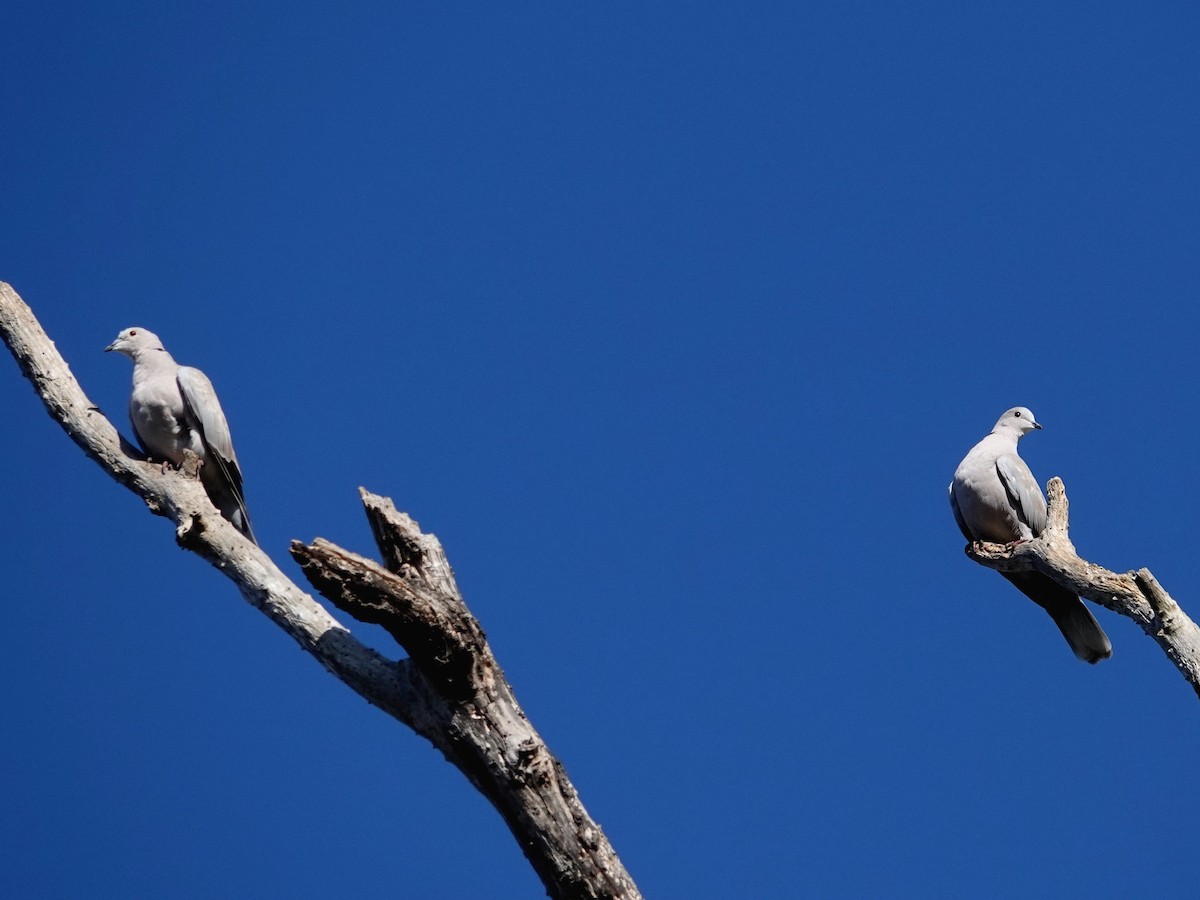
492	741
1136	595
436	692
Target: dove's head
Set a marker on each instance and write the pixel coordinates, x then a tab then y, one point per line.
1019	420
133	341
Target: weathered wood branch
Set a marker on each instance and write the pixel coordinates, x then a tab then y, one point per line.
1136	595
487	735
450	690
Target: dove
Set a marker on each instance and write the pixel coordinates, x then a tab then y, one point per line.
996	498
174	408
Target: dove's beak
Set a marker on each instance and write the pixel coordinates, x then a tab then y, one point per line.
1036	425
112	346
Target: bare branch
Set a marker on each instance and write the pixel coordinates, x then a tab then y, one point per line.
451	690
487	734
1136	595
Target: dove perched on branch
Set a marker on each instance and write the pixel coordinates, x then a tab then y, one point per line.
996	498
174	408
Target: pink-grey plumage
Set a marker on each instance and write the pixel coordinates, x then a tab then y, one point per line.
996	498
174	408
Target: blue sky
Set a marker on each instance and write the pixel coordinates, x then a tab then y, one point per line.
672	322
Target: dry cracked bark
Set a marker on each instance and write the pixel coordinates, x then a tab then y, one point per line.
1137	595
449	689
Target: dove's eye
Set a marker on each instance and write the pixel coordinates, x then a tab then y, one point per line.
133	331
1017	414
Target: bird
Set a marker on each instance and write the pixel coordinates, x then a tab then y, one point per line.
996	498
174	408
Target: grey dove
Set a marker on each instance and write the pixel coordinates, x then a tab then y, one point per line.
174	408
996	498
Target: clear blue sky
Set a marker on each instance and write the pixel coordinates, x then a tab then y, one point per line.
673	324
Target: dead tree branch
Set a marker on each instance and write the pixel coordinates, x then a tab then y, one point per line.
1136	595
450	689
484	733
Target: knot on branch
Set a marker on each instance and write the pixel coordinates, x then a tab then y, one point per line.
191	465
187	533
534	764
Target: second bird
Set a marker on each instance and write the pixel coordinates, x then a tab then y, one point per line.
174	408
996	498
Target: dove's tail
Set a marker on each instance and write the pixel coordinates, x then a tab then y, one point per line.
233	508
223	484
1074	620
